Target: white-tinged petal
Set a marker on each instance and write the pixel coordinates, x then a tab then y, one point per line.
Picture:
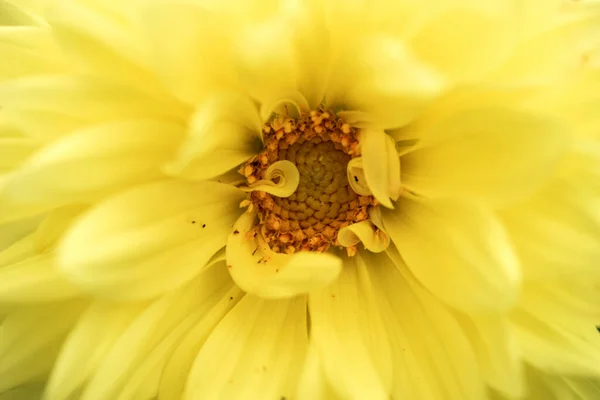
556	326
281	179
182	356
381	165
28	352
432	357
364	232
349	335
457	250
143	342
149	239
225	131
89	164
256	351
497	351
258	270
492	155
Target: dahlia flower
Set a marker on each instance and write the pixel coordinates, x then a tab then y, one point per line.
299	199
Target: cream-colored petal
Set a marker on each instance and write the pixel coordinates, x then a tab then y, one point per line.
258	270
381	165
31	338
150	239
432	357
225	131
190	47
77	102
391	87
364	232
281	179
95	333
497	351
256	351
89	164
458	250
493	155
143	342
179	364
349	335
556	326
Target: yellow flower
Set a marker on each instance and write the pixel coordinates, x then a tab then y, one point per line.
299	199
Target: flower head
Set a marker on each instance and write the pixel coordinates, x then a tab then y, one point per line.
299	199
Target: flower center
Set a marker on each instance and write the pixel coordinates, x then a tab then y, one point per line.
320	145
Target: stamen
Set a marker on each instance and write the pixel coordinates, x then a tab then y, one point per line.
320	145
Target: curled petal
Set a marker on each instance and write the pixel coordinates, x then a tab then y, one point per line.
258	270
282	179
356	177
366	232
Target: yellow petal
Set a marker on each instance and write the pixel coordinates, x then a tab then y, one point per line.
556	326
190	47
149	337
24	392
378	75
313	384
432	357
28	352
88	164
14	152
95	333
256	351
11	15
79	101
496	348
120	248
101	43
258	270
459	251
281	179
494	155
381	165
365	232
175	373
225	131
556	232
350	336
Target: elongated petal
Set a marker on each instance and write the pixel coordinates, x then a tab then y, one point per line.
256	351
496	348
14	152
381	165
556	326
175	374
491	155
26	352
130	358
556	232
88	164
390	88
459	251
432	357
344	316
89	342
257	270
76	102
121	247
189	46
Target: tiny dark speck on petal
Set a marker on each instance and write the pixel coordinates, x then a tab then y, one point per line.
598	328
230	297
355	178
193	222
236	232
204	225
